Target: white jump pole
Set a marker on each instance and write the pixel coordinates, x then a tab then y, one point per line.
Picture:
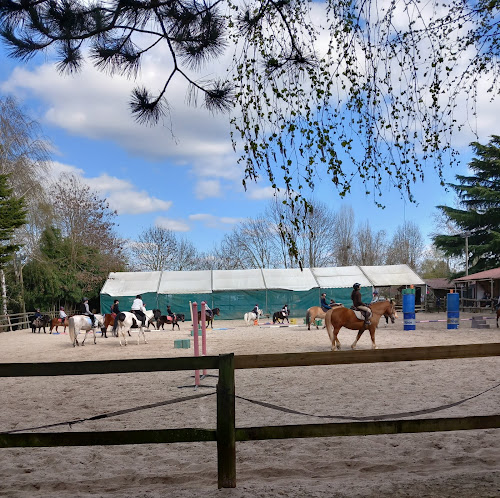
204	332
196	343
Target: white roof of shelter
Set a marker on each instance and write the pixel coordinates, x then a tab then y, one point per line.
392	275
186	282
238	280
289	279
128	283
340	277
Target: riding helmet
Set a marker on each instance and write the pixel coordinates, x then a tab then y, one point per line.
356	286
85	299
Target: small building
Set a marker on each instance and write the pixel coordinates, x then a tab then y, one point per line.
480	290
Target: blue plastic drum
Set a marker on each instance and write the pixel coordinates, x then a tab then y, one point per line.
408	311
453	309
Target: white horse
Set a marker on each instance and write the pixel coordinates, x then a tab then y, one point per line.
77	323
126	321
251	317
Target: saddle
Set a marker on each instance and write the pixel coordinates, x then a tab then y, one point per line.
359	314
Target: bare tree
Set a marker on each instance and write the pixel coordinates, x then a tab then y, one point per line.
369	247
155	249
254	241
406	246
343	236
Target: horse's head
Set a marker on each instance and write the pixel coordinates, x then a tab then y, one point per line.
100	320
216	311
391	310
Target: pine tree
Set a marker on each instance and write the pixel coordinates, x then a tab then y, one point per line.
12	216
479	218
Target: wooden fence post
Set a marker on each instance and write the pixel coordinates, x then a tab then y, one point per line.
226	435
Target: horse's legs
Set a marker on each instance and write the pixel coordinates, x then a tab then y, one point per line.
336	341
360	333
372	335
83	342
95	336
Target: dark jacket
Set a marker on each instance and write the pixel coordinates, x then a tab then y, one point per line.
115	309
356	298
324	304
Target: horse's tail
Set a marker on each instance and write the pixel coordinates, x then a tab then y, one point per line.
71	328
246	318
121	317
329	326
308	318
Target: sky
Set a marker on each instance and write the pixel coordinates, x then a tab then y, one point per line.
183	174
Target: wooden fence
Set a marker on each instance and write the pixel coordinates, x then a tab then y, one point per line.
226	434
18	321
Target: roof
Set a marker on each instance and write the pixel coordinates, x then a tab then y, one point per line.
186	282
439	283
493	274
382	276
126	283
340	277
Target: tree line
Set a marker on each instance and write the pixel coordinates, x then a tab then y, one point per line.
58	239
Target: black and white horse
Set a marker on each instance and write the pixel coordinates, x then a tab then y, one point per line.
127	321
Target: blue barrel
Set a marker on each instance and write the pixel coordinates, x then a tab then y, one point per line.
453	309
409	311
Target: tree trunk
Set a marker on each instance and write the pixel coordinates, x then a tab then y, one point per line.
4	292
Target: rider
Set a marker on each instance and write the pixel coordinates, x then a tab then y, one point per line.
376	297
62	314
170	314
37	314
138	309
324	305
358	303
208	311
115	311
256	310
85	310
285	311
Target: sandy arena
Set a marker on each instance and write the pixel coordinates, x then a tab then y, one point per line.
448	464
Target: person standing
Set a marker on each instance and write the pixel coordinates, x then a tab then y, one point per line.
358	303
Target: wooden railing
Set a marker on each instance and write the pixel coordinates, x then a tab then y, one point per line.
226	434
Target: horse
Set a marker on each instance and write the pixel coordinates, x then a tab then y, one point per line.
127	321
280	315
344	317
164	319
209	318
77	323
317	312
251	317
39	323
155	319
55	322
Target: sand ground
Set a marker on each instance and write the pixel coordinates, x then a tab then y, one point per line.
452	464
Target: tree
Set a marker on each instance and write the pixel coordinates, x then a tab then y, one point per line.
158	249
373	103
369	248
343	236
479	216
12	216
406	246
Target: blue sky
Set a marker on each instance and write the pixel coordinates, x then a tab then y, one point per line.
183	174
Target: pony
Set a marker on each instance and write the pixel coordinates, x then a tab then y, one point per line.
55	322
127	321
317	312
155	319
39	323
343	317
209	318
164	319
77	323
279	315
250	317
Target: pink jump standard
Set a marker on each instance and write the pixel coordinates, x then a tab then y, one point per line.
196	341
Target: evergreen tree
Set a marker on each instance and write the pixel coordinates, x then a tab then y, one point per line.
479	216
12	216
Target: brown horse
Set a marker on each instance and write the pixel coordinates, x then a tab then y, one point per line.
209	318
344	317
317	312
55	322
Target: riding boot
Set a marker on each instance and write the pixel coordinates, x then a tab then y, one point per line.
367	318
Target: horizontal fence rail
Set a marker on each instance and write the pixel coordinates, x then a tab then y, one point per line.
226	434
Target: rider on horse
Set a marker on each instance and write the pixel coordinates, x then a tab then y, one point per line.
138	309
324	304
115	311
359	305
62	314
84	310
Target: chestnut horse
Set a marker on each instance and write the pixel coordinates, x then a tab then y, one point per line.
317	312
55	322
344	317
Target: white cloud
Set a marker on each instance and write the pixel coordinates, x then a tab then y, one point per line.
260	193
212	221
170	224
122	195
208	188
